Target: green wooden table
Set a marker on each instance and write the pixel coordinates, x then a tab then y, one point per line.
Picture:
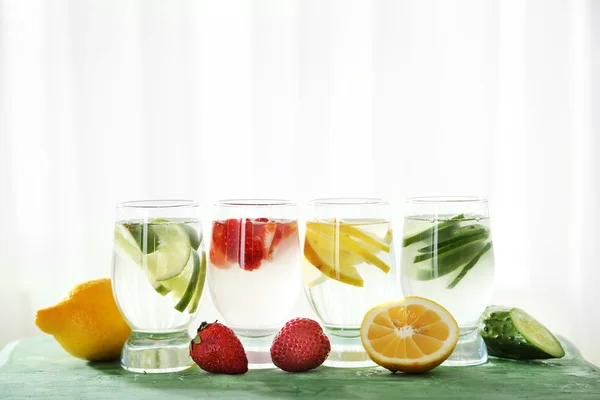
39	368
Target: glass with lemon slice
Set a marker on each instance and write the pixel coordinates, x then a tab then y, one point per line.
348	269
158	275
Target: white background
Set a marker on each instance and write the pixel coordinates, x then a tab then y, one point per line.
106	101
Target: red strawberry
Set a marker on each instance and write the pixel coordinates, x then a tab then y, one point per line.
300	346
216	349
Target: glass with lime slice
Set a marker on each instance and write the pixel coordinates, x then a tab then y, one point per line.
159	270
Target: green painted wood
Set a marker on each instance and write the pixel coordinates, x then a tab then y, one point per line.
39	368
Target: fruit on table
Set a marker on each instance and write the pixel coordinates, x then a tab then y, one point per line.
512	333
87	322
335	248
411	335
258	238
300	346
217	349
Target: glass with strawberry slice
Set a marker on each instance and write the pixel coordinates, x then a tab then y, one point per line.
254	269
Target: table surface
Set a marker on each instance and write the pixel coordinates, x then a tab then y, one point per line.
40	368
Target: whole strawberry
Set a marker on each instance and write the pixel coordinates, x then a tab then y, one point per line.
300	346
216	349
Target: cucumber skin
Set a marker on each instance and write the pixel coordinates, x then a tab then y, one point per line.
504	340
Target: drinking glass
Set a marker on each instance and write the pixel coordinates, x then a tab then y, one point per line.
158	275
448	257
254	270
348	269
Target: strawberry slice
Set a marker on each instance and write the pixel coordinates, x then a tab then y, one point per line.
218	245
253	246
248	244
283	231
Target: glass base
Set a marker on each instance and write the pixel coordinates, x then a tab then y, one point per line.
156	352
258	351
470	350
347	352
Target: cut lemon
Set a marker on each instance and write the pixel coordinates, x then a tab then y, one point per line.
410	335
358	245
365	237
319	251
311	276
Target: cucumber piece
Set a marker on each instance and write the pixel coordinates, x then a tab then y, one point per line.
512	333
429	232
469	266
481	235
458	235
447	262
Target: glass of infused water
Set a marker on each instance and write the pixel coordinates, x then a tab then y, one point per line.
254	270
448	257
348	268
158	274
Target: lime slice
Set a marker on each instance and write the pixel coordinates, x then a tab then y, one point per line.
195	237
172	253
144	236
199	287
127	246
160	289
192	284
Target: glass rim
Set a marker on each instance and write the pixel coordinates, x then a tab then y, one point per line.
156	204
447	199
349	201
254	203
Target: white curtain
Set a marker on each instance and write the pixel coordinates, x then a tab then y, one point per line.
106	101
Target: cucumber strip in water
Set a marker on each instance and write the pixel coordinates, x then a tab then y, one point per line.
439	252
458	235
448	262
469	266
429	232
512	333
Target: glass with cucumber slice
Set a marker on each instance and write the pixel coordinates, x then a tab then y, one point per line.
448	256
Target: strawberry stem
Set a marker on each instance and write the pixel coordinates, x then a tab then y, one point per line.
205	324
